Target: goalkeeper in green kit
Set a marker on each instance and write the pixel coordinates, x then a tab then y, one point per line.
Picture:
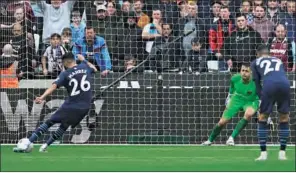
242	97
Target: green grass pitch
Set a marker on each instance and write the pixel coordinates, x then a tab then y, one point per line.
145	158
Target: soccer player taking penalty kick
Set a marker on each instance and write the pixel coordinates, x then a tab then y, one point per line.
77	81
275	89
242	97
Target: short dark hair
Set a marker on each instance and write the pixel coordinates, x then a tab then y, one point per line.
55	35
241	15
129	57
195	40
263	48
224	7
216	2
75	12
246	64
68	56
167	23
89	27
264	8
67	32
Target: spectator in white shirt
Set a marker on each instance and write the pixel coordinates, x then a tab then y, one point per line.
152	30
56	16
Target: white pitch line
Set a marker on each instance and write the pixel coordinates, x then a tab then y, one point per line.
139	159
161	145
130	158
220	149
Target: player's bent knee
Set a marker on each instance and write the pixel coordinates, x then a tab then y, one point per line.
249	113
248	116
223	122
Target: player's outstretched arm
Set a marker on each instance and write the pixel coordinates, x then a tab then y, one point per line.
46	93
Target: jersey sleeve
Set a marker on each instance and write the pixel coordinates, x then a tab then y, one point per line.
233	80
89	70
256	78
47	52
61	80
231	88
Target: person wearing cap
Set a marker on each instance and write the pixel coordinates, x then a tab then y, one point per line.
107	27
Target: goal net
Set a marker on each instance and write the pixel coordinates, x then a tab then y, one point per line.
190	51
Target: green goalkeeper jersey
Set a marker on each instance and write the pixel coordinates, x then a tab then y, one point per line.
241	90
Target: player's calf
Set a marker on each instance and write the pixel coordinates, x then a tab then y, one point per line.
283	134
41	130
262	135
216	131
57	134
241	125
222	122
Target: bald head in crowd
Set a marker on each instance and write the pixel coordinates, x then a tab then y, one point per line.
7	50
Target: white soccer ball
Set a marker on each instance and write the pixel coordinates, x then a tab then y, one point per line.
25	144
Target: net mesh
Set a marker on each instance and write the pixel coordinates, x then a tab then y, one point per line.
176	97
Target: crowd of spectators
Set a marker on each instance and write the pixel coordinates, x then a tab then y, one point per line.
178	36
